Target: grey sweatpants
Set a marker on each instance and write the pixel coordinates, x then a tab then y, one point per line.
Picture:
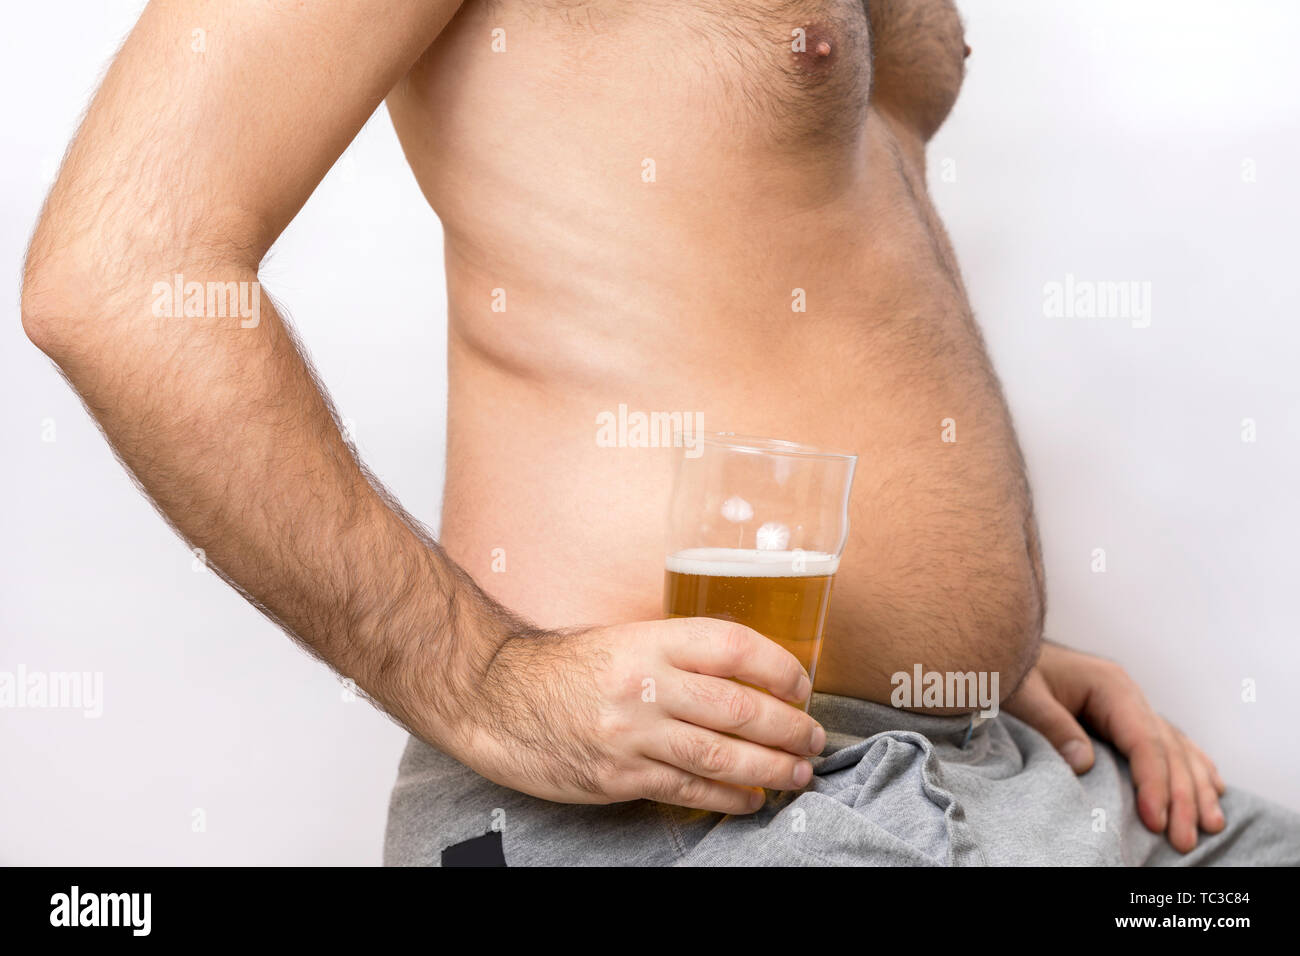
891	788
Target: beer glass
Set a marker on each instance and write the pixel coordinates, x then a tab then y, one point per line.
755	532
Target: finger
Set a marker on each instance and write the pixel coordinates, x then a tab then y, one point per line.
715	756
727	649
1120	713
1182	792
1149	765
1219	786
1035	704
667	784
1209	812
733	708
1117	709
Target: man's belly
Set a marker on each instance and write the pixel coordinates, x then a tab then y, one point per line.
568	530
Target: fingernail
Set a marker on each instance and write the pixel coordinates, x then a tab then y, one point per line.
757	799
1076	755
802	773
1149	809
817	742
1216	815
804	689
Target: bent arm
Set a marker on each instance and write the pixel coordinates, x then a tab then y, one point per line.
192	163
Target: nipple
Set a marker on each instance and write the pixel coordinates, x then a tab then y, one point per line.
815	49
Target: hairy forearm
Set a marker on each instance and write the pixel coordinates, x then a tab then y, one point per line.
227	431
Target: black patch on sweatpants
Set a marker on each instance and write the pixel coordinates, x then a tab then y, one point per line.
480	851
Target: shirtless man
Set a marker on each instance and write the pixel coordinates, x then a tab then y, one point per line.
645	185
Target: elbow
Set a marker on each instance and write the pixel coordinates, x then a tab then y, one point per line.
74	306
53	302
78	288
70	308
35	307
41	324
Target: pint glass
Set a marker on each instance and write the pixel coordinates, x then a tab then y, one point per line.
755	532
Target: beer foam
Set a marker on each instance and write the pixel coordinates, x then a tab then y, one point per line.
751	563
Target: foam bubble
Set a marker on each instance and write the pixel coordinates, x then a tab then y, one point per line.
751	563
772	536
736	509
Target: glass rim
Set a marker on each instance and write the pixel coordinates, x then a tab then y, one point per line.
755	445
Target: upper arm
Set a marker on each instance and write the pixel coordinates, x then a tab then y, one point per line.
214	124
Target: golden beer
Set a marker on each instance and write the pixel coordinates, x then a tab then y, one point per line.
781	594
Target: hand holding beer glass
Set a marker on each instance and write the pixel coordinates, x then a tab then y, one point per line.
755	533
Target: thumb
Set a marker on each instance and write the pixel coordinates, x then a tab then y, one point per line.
1036	706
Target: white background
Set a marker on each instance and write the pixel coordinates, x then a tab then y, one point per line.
1102	139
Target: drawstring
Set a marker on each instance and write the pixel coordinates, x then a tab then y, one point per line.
975	721
970	732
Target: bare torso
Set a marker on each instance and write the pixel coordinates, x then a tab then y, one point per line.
668	285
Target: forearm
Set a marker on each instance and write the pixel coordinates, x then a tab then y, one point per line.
227	431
